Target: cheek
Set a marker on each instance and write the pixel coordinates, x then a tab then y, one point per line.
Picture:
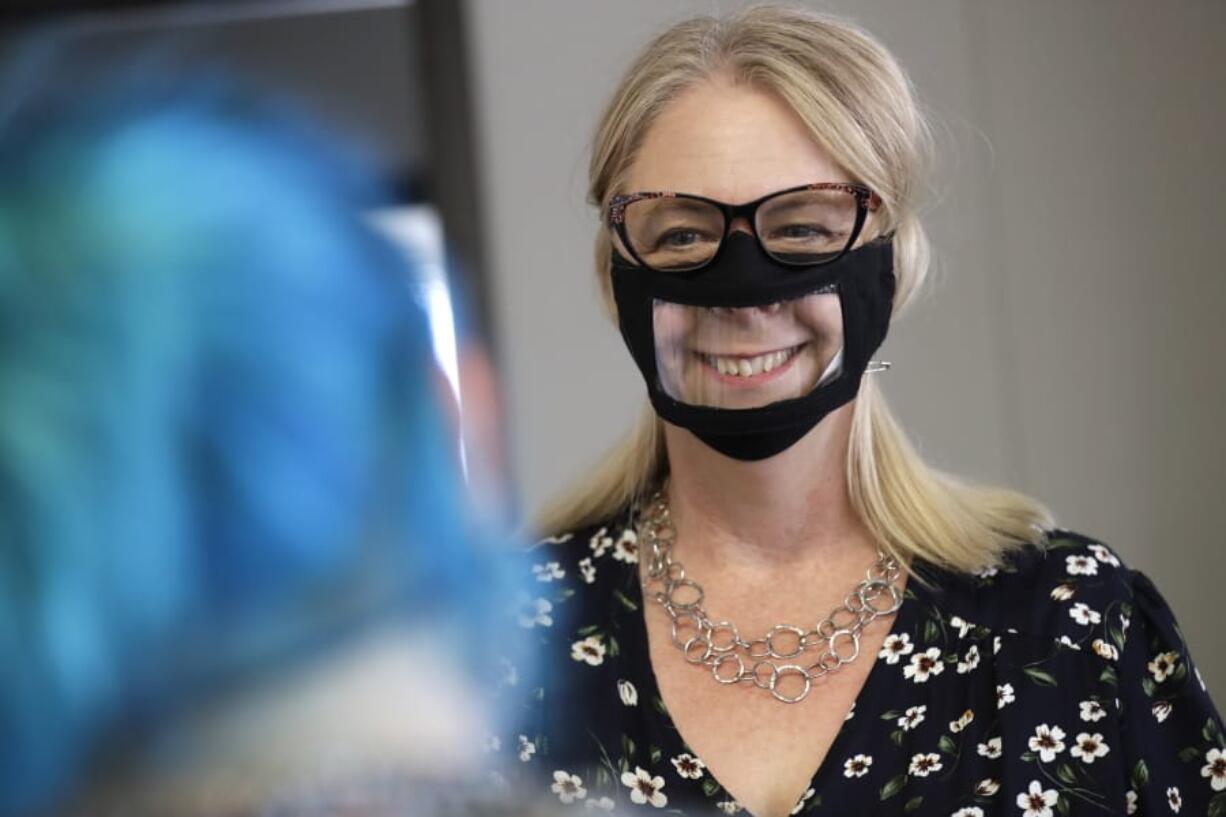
822	315
673	323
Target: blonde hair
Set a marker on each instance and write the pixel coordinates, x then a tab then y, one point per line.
860	107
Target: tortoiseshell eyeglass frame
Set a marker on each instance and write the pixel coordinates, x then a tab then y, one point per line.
866	202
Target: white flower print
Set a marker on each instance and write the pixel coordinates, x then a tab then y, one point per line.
728	806
851	712
627	692
548	571
1092	711
568	787
925	763
1105	650
1081	566
1125	623
1199	680
1130	801
1037	801
627	547
912	718
1062	592
962	722
600	542
1048	741
923	665
963	626
804	798
532	612
688	766
987	573
1087	747
587	570
1004	695
644	788
968	811
1174	799
557	540
991	749
970	661
1068	642
1104	555
526	748
1215	769
895	647
987	787
1163	665
1161	710
857	766
1083	615
589	650
602	804
995	644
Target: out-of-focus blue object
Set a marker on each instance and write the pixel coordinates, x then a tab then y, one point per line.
219	440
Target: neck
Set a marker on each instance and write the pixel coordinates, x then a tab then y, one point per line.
791	507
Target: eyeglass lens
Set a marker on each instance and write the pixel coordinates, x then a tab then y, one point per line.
802	227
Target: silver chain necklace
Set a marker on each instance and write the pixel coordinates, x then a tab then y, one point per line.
718	644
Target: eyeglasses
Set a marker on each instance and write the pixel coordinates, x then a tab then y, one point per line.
802	226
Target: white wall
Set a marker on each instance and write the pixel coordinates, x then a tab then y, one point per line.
1072	346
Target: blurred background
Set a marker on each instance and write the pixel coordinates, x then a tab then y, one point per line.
1070	346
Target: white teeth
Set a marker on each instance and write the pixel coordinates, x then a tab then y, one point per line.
749	366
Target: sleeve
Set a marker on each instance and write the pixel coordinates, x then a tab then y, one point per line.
1171	733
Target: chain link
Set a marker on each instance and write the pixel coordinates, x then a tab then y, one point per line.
719	645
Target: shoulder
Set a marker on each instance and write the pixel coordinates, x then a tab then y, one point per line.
1070	587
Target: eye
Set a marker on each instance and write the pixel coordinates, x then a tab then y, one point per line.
679	238
801	231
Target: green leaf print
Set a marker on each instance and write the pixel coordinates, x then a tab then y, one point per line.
1062	804
1217	806
931	631
564	594
710	787
946	744
588	630
1140	775
626	602
913	804
1044	679
894	786
1210	732
1189	754
891	715
897	736
628	746
1147	686
1117	635
655	754
1180	674
614	649
1109	677
1066	775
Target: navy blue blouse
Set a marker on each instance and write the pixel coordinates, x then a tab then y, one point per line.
1057	684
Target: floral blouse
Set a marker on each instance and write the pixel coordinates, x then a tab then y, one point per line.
1058	684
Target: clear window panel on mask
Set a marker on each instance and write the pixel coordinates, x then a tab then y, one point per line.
748	357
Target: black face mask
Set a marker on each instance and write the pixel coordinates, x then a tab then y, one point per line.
750	354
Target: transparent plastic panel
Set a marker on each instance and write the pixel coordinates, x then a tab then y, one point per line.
748	357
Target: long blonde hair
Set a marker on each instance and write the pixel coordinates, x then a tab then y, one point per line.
860	107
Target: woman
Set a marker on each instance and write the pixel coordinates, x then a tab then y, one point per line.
766	601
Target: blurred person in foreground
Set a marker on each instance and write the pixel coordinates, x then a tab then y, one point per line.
237	573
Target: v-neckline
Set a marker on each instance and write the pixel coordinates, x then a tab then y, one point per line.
878	677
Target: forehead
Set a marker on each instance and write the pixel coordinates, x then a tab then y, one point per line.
730	142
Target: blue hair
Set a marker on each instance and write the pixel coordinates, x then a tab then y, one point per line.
219	443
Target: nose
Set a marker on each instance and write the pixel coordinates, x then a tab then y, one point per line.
740	223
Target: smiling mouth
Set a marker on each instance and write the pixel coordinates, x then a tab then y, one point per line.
750	365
